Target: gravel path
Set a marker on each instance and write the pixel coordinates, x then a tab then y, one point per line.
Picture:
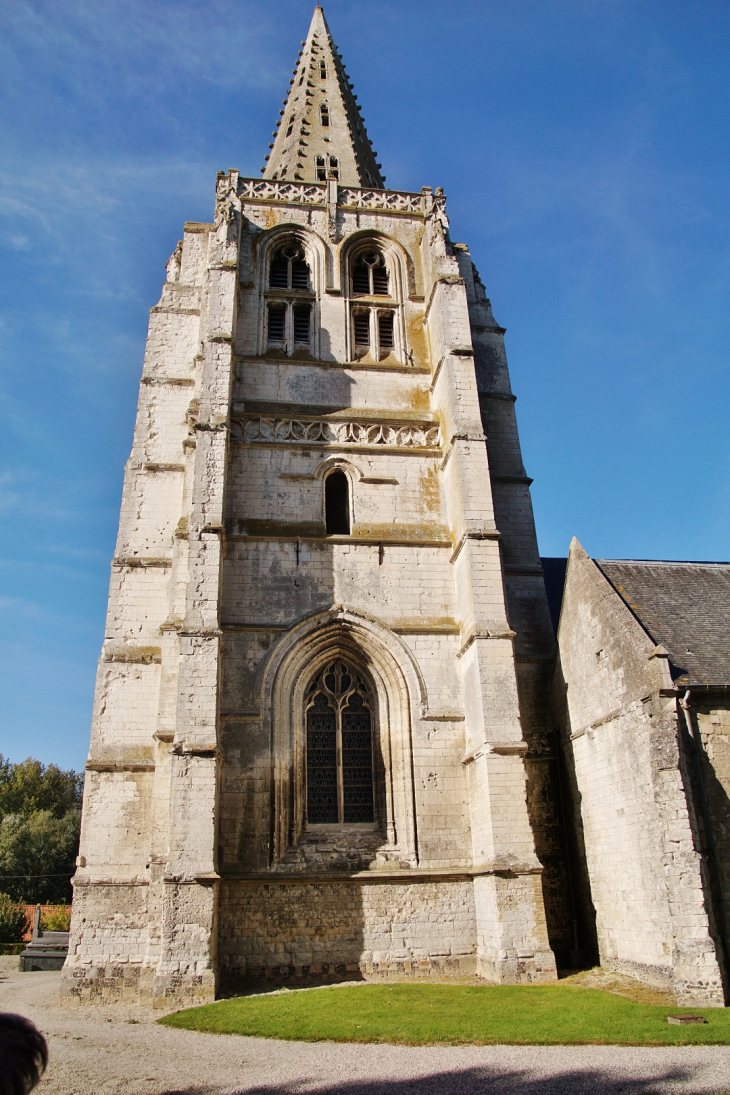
105	1051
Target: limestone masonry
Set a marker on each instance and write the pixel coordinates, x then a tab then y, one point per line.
322	743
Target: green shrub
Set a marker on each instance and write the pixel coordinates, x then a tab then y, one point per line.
12	920
56	920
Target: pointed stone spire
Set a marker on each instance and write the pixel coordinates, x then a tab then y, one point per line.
321	134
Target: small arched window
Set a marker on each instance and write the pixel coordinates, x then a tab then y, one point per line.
289	269
369	275
337	504
339	720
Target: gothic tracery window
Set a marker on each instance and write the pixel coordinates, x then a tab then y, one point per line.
369	275
339	725
289	269
373	326
289	317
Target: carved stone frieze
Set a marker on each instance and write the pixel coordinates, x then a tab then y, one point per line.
327	431
273	190
400	200
316	194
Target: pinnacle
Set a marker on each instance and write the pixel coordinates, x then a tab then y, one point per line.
321	134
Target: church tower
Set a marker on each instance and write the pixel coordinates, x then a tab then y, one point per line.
320	711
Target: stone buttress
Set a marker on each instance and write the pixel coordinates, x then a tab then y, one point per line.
327	643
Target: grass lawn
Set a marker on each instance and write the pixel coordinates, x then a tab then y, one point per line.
423	1014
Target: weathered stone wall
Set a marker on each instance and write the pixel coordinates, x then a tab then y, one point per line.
621	736
227	594
346	930
712	714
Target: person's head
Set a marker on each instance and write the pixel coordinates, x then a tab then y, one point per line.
23	1055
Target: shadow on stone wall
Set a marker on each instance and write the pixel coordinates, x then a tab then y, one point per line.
582	909
714	847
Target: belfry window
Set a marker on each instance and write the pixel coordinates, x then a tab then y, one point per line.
369	275
339	726
361	331
337	504
321	170
277	322
289	269
385	331
289	317
302	315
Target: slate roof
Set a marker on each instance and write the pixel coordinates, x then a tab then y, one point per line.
685	607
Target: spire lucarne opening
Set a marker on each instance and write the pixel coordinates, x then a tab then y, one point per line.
321	133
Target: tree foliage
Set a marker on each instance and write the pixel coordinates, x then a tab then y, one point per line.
40	818
30	786
12	920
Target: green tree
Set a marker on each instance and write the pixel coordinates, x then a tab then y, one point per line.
30	786
12	920
40	819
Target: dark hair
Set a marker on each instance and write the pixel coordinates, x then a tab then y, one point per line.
23	1054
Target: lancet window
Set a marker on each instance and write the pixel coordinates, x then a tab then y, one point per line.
373	326
337	504
339	759
289	311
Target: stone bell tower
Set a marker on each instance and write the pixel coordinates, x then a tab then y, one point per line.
323	670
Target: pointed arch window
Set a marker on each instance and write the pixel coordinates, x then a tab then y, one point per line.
339	725
370	275
337	504
289	269
289	317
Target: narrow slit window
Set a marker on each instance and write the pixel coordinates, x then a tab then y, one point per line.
362	328
323	70
302	313
325	115
385	331
276	322
290	129
337	504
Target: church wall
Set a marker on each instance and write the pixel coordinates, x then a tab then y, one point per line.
347	930
712	714
621	738
222	555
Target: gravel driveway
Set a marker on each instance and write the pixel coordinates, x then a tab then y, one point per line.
109	1050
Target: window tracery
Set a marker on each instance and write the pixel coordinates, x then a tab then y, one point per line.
288	319
339	727
373	330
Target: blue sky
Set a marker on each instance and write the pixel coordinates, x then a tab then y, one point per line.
585	149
